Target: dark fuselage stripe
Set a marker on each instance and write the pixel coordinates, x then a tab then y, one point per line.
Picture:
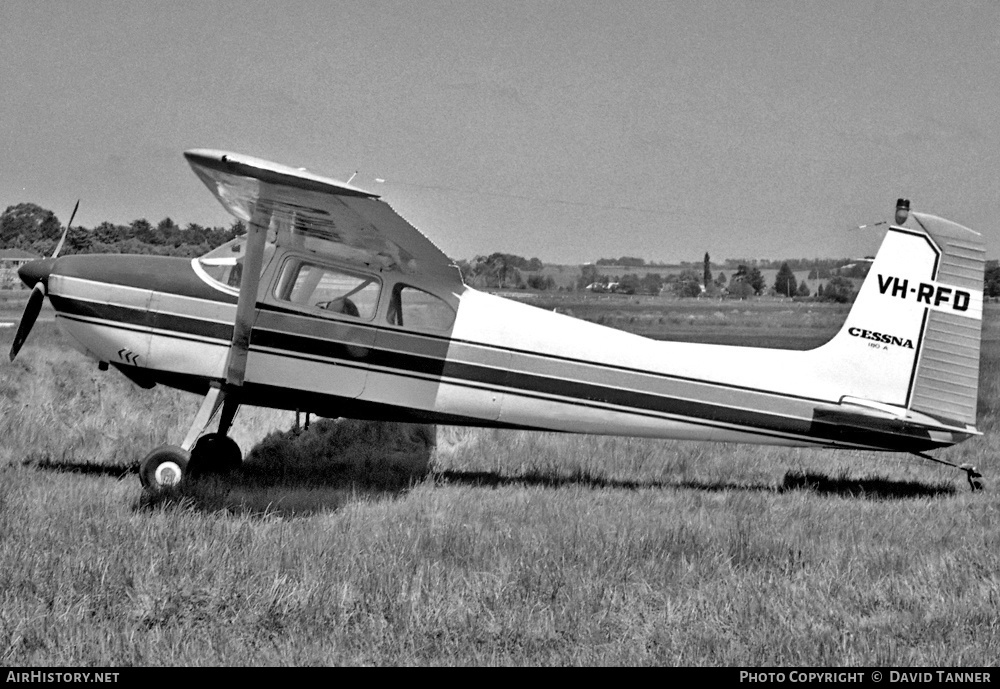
142	318
441	344
364	357
311	324
356	337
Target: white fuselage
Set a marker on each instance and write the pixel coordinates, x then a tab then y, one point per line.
501	363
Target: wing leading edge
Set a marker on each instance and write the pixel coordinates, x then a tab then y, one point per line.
318	213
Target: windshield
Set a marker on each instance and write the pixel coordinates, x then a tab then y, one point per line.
222	267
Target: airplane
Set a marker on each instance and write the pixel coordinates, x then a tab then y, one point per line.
335	305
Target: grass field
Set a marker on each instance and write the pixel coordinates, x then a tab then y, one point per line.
380	544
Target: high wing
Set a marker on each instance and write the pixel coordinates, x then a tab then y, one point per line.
300	209
327	216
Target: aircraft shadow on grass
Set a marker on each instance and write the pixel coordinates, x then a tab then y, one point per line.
868	488
873	488
64	466
302	472
296	472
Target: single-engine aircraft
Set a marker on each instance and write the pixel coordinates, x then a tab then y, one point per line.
333	304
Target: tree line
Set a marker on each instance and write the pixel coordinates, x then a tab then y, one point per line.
991	280
504	271
30	227
818	268
747	281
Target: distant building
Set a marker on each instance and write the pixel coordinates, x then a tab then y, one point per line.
10	261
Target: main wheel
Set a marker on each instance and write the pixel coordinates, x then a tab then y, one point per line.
164	467
215	454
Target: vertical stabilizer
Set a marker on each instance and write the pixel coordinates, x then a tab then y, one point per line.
912	337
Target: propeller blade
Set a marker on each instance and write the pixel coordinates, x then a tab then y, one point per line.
62	239
28	318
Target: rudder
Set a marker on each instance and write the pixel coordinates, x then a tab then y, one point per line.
947	379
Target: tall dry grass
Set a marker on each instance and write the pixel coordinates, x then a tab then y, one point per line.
359	543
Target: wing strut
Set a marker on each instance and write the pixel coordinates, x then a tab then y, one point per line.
227	396
253	259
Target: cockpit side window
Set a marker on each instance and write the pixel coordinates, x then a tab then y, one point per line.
331	289
414	308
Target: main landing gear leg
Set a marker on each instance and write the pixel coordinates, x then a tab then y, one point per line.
212	453
974	477
215	453
298	412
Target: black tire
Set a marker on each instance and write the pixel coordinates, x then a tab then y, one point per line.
214	454
164	468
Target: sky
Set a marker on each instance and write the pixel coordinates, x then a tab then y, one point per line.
569	131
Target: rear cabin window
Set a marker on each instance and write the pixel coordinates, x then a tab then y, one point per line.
328	289
414	308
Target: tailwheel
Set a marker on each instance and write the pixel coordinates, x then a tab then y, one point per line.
971	473
163	468
215	454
